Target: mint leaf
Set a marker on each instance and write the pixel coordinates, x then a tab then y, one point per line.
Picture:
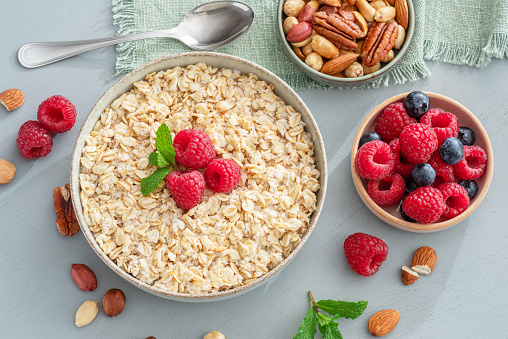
164	143
308	326
157	159
150	183
328	327
344	309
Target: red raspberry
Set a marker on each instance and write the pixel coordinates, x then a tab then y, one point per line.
187	187
455	199
402	166
392	121
193	148
444	172
387	191
417	143
34	141
425	204
473	164
365	253
222	175
374	160
445	124
57	114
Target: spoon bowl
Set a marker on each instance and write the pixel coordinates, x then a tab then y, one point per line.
207	27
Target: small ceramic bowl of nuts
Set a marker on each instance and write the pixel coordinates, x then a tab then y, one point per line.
345	43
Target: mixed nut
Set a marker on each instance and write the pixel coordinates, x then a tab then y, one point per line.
345	38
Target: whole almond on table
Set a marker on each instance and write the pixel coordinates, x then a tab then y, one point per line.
424	260
7	171
113	302
12	98
84	277
383	322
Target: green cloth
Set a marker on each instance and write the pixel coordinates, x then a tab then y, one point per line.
465	32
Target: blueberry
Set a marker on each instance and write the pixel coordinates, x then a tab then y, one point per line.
404	215
424	174
466	136
411	185
471	187
369	136
451	151
417	104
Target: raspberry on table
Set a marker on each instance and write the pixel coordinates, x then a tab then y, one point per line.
374	160
187	187
387	191
445	124
456	199
444	172
402	165
392	121
365	253
417	143
34	141
222	175
57	114
193	148
425	205
473	164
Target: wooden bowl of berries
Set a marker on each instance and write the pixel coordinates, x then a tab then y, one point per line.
422	162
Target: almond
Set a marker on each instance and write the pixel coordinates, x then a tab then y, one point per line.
408	275
12	98
7	171
383	322
339	63
424	260
402	16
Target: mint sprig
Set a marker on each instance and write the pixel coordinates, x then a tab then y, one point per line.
327	325
164	158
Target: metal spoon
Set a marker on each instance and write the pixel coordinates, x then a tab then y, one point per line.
207	27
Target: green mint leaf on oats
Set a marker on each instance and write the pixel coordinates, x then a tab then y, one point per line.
308	326
157	159
344	309
150	183
164	143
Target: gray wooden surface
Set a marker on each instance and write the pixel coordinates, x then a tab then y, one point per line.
465	297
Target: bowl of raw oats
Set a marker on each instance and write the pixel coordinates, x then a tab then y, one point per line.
229	243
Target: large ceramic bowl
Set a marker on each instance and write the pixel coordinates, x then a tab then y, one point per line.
345	82
391	215
217	60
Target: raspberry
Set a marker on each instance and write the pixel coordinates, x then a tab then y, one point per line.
374	160
402	166
425	205
193	148
34	141
445	124
387	191
56	114
473	164
417	143
187	187
365	253
444	172
392	121
222	175
455	199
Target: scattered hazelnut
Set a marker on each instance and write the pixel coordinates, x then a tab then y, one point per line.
214	335
113	302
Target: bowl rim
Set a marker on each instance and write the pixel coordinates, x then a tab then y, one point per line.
409	36
400	223
75	187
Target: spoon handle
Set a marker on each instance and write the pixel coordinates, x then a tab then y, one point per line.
39	54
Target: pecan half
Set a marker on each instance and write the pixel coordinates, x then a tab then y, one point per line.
65	218
348	5
340	31
378	42
345	25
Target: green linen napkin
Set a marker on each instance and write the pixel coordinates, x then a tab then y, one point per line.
467	32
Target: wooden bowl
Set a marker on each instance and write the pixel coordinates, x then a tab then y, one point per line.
391	215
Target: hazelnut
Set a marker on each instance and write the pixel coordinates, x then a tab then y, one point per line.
113	302
354	70
289	22
293	7
307	49
214	335
314	61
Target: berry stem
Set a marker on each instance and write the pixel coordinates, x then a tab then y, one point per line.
313	302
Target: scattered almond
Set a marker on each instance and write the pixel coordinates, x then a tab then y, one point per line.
424	260
12	98
402	15
383	322
408	275
7	171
